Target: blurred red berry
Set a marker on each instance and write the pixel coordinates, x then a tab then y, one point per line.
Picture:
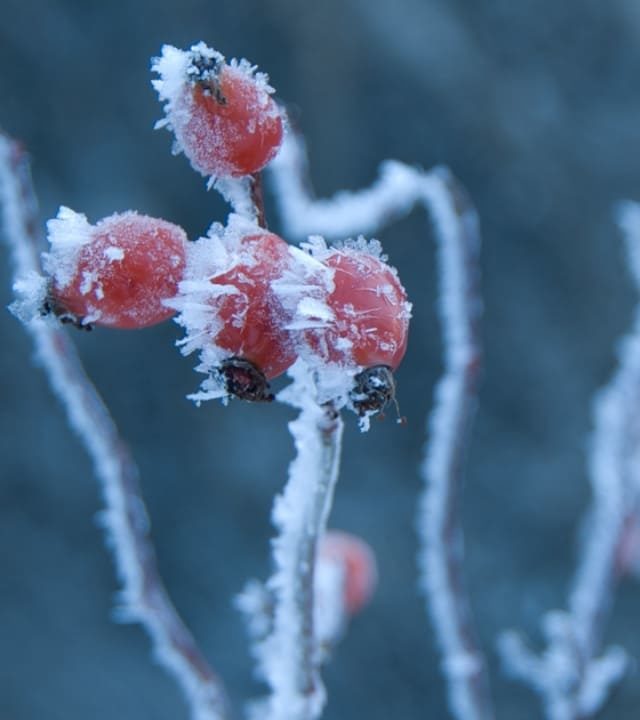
223	116
358	565
116	273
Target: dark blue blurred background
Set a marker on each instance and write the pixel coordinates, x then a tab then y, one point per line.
535	106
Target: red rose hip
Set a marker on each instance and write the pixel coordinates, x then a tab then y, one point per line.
253	321
231	311
117	273
222	114
370	312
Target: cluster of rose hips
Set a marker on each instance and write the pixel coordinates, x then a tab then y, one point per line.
250	303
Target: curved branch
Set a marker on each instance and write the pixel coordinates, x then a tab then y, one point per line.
439	521
143	595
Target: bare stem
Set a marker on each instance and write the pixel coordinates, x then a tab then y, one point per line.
398	189
143	595
614	474
257	198
289	656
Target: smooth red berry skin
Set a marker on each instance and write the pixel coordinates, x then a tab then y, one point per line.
253	318
359	566
130	264
232	131
371	313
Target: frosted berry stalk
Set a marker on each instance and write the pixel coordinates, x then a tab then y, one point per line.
289	657
143	596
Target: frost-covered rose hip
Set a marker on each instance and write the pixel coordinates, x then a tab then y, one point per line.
369	310
231	313
117	273
370	307
253	321
222	114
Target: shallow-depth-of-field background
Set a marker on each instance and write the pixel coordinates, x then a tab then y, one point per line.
535	107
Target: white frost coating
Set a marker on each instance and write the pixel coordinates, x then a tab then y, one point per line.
330	618
237	192
312	251
114	253
289	657
143	596
314	310
614	470
256	603
31	293
198	297
317	247
67	233
398	189
172	67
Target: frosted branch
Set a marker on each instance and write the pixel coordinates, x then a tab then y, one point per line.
398	189
394	194
439	522
143	597
614	471
289	657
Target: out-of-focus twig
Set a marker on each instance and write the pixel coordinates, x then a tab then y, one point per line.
143	596
439	522
573	675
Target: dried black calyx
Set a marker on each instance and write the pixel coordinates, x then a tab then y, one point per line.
373	389
242	379
51	307
204	71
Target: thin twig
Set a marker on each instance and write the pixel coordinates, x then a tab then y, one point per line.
257	198
289	658
398	189
573	675
144	598
613	469
439	520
